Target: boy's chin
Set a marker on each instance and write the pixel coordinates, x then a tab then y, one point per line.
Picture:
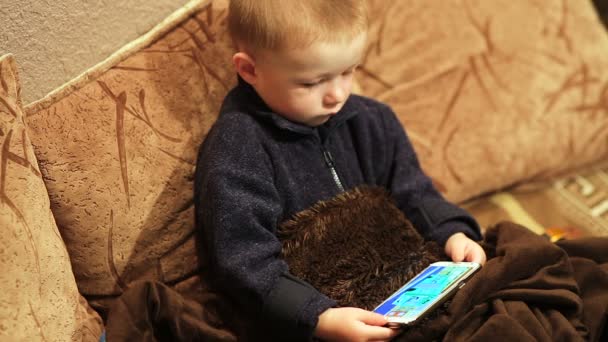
310	120
318	121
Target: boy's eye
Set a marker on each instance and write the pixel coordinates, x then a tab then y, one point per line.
311	84
350	71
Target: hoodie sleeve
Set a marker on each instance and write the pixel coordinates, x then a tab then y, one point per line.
237	210
433	216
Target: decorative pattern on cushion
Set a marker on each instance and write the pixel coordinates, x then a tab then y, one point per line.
569	207
39	300
117	150
356	248
492	93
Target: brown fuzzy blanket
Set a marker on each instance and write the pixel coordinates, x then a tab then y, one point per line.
357	248
529	290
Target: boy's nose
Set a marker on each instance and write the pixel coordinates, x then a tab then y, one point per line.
336	94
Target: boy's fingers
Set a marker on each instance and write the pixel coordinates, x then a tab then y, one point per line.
380	333
374	329
457	254
482	256
473	258
477	255
372	318
471	255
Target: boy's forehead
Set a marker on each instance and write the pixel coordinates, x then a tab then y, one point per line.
321	56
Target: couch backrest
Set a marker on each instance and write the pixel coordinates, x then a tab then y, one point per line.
492	93
117	149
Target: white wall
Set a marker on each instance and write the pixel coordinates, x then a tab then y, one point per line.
56	40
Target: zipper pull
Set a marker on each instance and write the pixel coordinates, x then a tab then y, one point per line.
329	160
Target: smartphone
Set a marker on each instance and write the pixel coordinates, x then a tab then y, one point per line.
425	292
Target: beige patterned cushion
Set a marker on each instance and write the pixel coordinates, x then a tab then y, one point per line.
39	300
118	146
493	93
569	207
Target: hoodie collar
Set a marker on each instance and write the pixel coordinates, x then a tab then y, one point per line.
248	97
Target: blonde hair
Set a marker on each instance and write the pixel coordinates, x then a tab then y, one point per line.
283	24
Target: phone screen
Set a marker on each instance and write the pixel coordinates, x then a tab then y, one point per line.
421	292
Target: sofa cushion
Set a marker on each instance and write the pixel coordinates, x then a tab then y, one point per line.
117	149
39	300
492	93
567	208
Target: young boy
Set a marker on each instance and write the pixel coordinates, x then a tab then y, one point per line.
289	135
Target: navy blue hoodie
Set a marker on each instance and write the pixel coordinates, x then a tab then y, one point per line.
256	169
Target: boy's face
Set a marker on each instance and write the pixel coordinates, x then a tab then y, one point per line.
308	85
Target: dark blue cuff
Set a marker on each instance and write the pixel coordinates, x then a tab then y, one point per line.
293	309
438	219
442	233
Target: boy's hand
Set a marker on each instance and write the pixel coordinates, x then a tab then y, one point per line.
353	324
460	247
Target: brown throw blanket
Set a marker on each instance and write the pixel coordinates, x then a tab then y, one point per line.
529	290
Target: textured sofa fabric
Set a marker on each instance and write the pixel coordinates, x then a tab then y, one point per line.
493	93
118	155
39	299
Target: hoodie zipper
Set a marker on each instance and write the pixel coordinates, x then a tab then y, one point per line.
329	160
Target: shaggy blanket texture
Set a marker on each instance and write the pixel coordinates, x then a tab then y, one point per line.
356	248
529	290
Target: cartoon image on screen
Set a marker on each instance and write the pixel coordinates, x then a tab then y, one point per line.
421	292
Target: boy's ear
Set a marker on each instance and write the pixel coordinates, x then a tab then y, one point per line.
245	67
